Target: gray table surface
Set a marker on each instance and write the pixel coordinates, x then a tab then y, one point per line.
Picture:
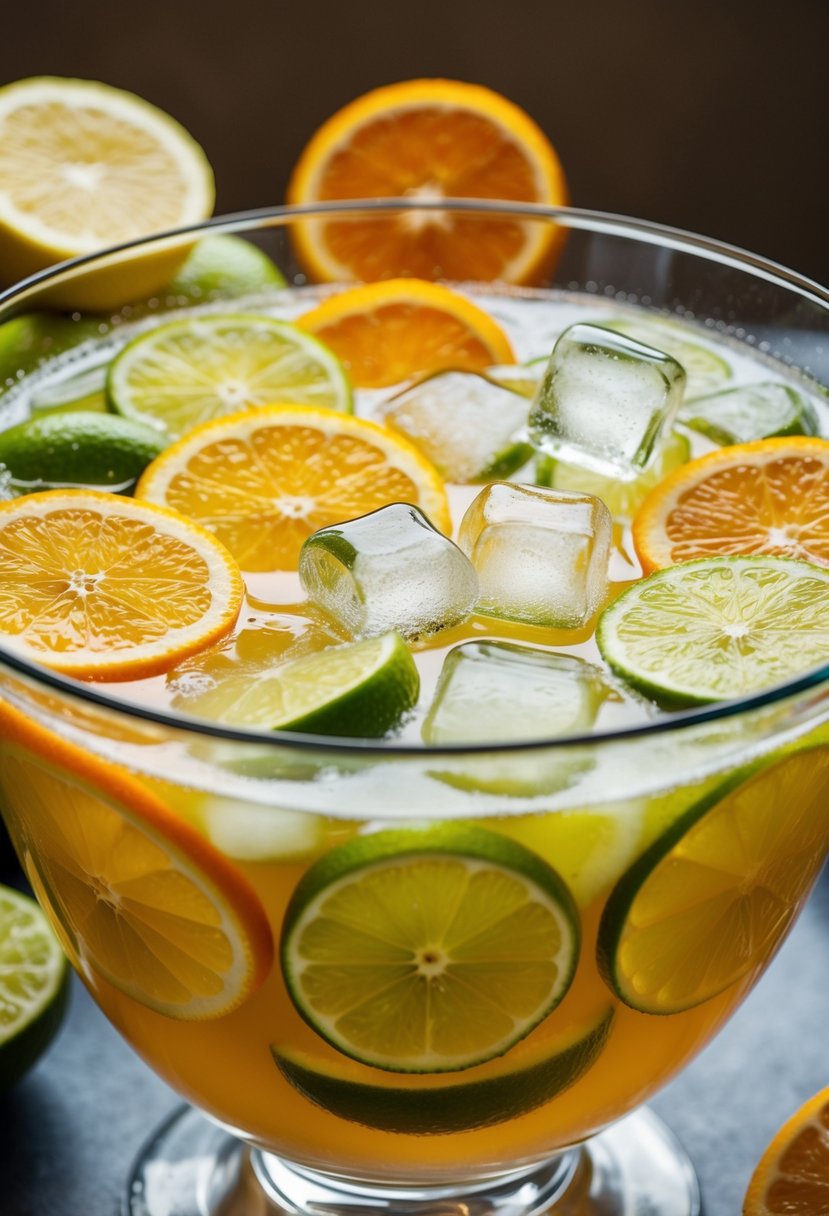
69	1131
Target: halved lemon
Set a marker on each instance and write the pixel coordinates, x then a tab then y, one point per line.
265	480
84	166
770	496
388	332
792	1176
104	588
140	898
429	140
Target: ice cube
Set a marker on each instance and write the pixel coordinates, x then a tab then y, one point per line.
388	570
605	400
541	554
466	423
494	692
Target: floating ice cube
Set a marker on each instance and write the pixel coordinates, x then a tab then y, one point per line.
605	400
751	411
494	692
541	555
467	424
388	570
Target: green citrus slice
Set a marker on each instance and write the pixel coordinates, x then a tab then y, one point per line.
711	899
718	627
189	371
507	1091
705	370
429	950
34	984
750	412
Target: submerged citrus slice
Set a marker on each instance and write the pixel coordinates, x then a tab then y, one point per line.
711	899
265	480
192	370
84	166
428	140
105	588
388	332
509	1090
429	950
771	496
751	412
717	628
141	898
792	1176
33	985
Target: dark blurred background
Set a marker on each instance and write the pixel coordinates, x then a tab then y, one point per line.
708	116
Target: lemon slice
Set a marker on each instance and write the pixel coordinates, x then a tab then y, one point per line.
190	371
711	899
506	1092
84	166
142	899
429	950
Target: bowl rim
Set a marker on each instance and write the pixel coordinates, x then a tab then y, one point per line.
602	222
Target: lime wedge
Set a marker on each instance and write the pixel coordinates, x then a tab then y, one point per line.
34	985
622	498
448	1106
186	372
705	371
81	448
752	411
718	627
429	950
714	895
223	266
360	689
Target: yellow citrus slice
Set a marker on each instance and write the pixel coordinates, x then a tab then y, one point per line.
770	496
264	480
429	140
138	896
105	588
387	332
792	1176
84	166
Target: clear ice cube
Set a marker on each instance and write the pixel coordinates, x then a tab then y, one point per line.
605	400
494	692
467	423
388	570
541	555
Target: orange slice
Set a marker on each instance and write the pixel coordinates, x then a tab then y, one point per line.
105	588
793	1173
429	140
388	332
138	897
771	496
264	480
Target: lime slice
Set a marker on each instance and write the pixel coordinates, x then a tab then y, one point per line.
223	266
34	985
448	1106
359	689
84	391
429	950
705	371
186	372
80	448
752	411
714	895
718	627
622	498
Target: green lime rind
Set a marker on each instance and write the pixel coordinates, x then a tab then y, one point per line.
309	919
619	917
34	985
28	341
705	370
185	372
507	461
83	448
750	412
357	690
223	267
450	1106
717	627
